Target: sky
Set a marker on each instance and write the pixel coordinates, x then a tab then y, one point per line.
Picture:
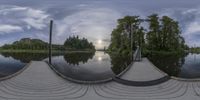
92	19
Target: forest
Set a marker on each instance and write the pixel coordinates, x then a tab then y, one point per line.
28	44
152	34
76	43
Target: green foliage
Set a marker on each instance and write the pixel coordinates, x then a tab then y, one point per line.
194	49
163	34
75	43
26	44
119	62
170	63
121	36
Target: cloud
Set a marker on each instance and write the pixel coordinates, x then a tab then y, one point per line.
25	17
9	28
193	27
36	18
19	22
93	24
189	20
93	20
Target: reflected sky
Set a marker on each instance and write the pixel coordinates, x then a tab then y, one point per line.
185	66
191	68
97	67
9	65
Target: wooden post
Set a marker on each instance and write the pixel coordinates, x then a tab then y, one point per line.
50	40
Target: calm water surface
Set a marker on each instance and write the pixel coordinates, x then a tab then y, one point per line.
90	66
185	66
100	65
10	63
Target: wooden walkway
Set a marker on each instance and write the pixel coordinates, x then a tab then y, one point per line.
142	73
39	82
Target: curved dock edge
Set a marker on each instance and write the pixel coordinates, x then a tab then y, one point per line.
160	77
142	83
185	79
78	81
16	73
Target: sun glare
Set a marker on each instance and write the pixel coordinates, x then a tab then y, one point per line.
99	41
99	58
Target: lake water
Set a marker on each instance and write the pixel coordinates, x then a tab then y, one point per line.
184	66
100	65
90	66
10	63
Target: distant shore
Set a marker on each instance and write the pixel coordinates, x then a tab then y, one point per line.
45	51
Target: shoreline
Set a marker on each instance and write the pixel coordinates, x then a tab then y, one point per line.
44	51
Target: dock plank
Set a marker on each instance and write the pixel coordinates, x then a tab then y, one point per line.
39	82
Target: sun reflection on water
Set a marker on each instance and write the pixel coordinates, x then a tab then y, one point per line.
99	58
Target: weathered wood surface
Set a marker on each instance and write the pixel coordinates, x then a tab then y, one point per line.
39	82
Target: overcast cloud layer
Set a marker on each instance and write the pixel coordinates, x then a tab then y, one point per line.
93	19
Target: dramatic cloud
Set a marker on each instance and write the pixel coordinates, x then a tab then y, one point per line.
9	28
22	22
93	24
92	19
25	17
189	20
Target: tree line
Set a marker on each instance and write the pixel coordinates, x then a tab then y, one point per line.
26	44
71	43
76	43
194	50
162	34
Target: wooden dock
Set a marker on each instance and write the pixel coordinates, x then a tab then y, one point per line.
39	82
142	73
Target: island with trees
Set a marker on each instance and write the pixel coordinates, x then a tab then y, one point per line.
75	43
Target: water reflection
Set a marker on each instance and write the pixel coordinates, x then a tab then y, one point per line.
78	57
26	57
191	67
10	63
89	66
185	66
119	62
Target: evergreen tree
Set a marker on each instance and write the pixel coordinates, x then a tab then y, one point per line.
75	43
121	35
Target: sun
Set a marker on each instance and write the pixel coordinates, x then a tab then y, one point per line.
99	41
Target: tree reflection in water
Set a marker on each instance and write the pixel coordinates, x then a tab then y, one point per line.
170	64
75	58
119	62
26	57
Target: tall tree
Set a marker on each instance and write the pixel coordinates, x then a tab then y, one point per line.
121	35
171	38
153	36
164	34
